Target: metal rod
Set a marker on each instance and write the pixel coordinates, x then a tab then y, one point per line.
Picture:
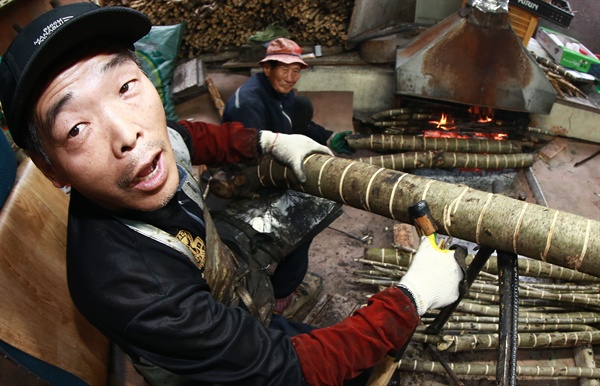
362	239
587	159
475	267
449	371
508	278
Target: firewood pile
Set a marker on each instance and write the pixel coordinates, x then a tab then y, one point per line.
215	25
560	78
557	308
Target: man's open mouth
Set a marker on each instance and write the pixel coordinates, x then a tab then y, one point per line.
148	171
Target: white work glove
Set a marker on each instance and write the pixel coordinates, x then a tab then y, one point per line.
290	150
433	277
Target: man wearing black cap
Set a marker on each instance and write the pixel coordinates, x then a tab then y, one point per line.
144	262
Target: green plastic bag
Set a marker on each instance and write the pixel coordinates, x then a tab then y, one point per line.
158	52
272	31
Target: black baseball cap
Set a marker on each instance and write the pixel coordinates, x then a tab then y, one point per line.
39	44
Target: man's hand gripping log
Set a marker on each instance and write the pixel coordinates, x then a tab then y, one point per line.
433	279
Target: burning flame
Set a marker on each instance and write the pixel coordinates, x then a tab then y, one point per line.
445	120
443	134
446	124
482	114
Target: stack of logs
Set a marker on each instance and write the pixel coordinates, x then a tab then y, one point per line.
560	78
215	25
414	151
558	308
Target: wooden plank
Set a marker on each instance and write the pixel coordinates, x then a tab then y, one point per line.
38	315
552	149
347	59
188	80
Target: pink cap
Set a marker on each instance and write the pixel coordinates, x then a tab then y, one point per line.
285	51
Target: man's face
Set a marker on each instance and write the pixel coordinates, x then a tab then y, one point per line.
283	77
105	134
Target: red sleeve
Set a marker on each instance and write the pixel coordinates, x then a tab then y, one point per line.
331	354
216	145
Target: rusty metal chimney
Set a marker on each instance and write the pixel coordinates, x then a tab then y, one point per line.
474	57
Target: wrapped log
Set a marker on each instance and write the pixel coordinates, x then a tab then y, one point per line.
399	142
466	306
474	342
443	159
565	318
490	370
527	267
493	220
493	327
490	293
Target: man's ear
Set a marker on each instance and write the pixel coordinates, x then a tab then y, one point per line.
48	170
266	67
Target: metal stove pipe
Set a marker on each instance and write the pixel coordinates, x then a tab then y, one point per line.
475	58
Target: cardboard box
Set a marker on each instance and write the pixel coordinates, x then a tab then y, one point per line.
565	50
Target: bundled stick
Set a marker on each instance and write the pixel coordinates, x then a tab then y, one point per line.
564	318
399	142
493	327
444	159
216	25
493	220
489	370
559	77
527	266
471	342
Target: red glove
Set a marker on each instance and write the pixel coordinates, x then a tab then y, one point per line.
330	355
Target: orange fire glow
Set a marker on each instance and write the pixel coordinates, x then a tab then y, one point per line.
482	114
445	122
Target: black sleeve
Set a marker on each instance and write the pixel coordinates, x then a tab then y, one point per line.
318	133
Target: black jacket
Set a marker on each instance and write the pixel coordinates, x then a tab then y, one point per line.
154	302
256	104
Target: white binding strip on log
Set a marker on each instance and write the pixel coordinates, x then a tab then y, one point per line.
321	174
480	219
424	196
342	181
369	186
585	242
519	223
550	233
391	205
451	209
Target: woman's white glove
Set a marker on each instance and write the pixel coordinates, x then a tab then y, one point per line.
290	150
434	276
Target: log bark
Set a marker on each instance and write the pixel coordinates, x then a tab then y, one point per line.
527	267
219	25
443	159
474	342
493	220
490	370
565	318
399	142
493	327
